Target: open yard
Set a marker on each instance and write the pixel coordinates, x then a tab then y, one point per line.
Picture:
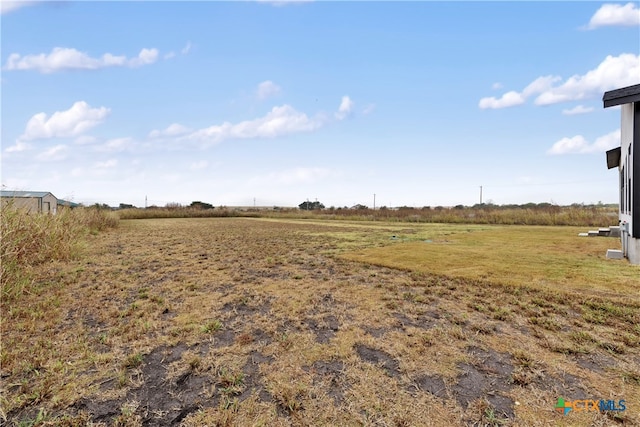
247	321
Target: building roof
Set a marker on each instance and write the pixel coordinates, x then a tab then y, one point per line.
34	194
68	203
625	95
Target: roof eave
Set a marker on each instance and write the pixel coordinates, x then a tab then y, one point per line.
625	95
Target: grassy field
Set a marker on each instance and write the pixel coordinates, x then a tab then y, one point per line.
247	321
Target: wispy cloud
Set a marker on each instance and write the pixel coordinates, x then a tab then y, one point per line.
69	123
283	120
279	121
62	58
184	51
267	89
187	48
612	72
10	6
58	152
615	15
369	109
172	130
578	109
116	145
107	164
18	147
579	145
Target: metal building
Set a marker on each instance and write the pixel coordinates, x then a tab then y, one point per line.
31	201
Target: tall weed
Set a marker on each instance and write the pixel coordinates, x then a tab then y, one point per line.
28	239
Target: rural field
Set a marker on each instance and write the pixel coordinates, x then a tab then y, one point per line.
280	322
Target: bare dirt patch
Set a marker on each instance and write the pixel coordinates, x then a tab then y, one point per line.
378	358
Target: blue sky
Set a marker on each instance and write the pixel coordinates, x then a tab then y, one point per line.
272	103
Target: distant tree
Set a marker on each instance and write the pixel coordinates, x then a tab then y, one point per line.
360	207
309	206
173	205
126	206
201	205
101	206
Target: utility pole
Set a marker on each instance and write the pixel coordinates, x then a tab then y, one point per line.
374	201
481	194
145	202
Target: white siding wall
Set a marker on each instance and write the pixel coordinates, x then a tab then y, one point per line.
630	246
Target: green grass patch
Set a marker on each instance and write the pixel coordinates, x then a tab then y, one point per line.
553	258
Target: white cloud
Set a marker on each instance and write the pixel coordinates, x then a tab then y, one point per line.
72	122
279	121
172	130
612	73
496	86
71	59
345	109
58	152
509	99
615	15
267	89
578	109
540	85
579	145
145	57
10	6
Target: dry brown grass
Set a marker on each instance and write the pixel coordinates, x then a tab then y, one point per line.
234	321
29	239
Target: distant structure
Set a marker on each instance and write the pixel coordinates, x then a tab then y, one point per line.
31	201
627	159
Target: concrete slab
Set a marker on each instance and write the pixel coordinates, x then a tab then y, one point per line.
614	231
614	254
